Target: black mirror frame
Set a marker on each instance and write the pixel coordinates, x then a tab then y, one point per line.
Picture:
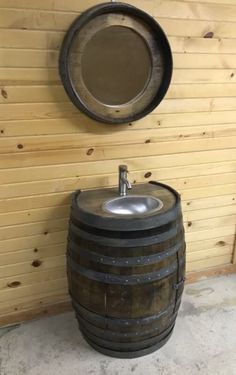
79	23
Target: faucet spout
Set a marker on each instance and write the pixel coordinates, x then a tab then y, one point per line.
127	183
124	183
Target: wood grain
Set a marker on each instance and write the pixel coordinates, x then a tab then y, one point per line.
109	176
68	141
51	41
48	148
81	124
215	271
56	93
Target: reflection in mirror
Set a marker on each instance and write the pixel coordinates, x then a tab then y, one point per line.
116	65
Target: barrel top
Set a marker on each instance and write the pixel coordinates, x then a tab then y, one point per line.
88	208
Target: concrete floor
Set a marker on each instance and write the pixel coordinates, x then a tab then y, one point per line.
204	341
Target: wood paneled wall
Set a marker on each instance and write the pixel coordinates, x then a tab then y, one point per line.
48	149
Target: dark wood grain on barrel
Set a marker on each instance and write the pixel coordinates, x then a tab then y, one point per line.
127	297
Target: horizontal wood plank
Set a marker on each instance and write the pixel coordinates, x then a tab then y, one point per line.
207	213
209	202
45	264
28	76
201	59
198	225
29	303
12	18
207	263
207	234
196	28
208	254
168	8
70	184
207	72
206	90
202	11
63	109
65	141
204	148
34	228
36	313
33	242
37	215
61	5
220	2
35	201
56	93
52	40
204	61
41	76
25	18
203	192
39	253
224	241
29	290
81	124
7	283
137	173
31	39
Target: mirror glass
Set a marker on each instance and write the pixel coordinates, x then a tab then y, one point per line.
116	65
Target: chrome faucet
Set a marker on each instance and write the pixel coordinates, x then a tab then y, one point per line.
124	183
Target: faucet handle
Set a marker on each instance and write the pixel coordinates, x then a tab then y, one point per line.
123	168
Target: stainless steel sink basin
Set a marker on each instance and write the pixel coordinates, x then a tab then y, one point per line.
133	205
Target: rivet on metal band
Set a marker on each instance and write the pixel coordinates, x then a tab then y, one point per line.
75	249
108	278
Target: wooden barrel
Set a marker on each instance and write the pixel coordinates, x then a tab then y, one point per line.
126	275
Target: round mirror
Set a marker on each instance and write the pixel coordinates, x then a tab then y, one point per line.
115	63
112	70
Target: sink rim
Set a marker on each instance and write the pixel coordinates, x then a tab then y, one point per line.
87	206
131	196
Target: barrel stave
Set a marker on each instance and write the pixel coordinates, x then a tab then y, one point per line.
126	286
